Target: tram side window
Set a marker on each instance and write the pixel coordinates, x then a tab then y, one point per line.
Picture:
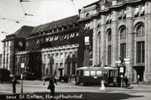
80	73
99	73
92	73
86	73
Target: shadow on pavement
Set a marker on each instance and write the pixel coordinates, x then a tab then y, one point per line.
110	96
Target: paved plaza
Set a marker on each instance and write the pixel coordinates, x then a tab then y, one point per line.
138	92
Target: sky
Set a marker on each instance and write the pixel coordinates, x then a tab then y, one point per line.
40	11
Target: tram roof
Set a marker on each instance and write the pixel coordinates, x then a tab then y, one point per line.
96	68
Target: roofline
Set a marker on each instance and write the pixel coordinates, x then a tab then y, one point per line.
91	4
57	20
114	7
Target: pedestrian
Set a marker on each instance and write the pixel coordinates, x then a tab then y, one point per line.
138	78
126	81
14	82
51	85
43	81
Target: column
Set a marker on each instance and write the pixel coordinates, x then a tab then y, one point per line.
147	76
129	44
103	41
94	43
114	38
3	55
43	67
12	56
98	48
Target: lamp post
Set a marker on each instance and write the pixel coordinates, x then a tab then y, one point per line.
22	67
122	67
121	70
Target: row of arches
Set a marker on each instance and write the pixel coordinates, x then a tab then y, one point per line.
138	34
122	30
119	44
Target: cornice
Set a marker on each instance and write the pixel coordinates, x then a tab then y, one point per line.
109	9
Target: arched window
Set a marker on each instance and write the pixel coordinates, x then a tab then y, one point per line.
109	33
140	30
140	45
122	31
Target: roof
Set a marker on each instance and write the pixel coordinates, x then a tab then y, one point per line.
55	24
106	2
96	2
96	68
24	31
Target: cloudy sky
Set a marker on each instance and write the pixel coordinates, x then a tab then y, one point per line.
40	11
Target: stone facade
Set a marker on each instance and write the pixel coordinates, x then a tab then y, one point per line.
54	48
121	28
12	44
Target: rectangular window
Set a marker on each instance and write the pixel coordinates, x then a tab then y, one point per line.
123	50
86	73
140	52
109	54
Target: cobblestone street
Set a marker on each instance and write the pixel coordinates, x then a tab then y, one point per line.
138	92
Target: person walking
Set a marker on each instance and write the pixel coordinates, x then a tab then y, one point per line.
14	82
126	81
51	85
138	78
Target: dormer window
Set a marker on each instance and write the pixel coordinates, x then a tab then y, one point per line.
108	19
98	25
120	16
142	12
55	30
70	26
124	14
87	14
60	28
65	27
136	12
50	31
102	7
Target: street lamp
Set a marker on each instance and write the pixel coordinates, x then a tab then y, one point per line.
22	67
122	67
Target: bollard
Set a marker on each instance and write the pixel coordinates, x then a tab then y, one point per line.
102	85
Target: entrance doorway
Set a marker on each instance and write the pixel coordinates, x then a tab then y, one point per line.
139	73
60	73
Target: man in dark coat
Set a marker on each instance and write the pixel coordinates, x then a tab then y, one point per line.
51	85
14	82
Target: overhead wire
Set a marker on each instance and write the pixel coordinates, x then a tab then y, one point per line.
21	3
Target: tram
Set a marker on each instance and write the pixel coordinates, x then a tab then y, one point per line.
94	75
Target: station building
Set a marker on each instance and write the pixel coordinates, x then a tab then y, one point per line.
54	48
121	29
